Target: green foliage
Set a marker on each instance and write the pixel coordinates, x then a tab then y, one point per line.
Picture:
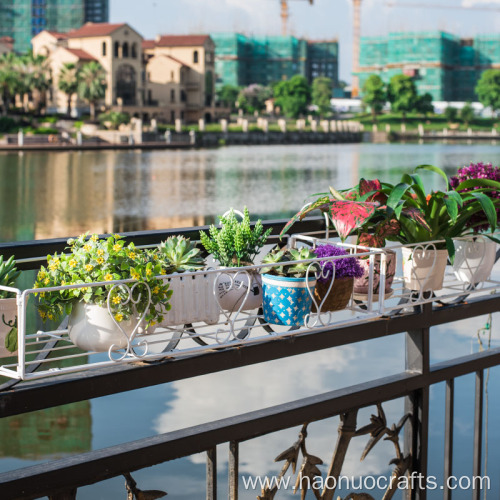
7	124
113	119
8	276
179	254
322	94
228	94
235	244
68	82
93	260
283	256
467	114
402	94
488	88
450	114
254	97
374	94
293	96
92	84
45	131
424	104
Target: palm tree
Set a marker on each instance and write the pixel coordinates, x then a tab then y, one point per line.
68	82
40	79
9	80
92	84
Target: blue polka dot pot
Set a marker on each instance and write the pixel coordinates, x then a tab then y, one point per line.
287	301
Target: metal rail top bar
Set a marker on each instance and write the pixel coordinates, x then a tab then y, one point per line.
39	248
39	394
109	462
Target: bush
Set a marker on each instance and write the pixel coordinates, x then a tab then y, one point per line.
115	119
49	119
7	124
45	131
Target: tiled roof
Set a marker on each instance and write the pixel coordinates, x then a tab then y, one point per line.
148	44
82	54
94	29
181	40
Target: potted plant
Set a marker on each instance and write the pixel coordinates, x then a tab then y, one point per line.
288	285
236	244
437	217
360	211
475	253
107	316
192	296
8	307
342	272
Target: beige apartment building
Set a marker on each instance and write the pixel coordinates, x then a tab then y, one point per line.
169	78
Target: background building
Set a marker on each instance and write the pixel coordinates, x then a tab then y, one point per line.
242	60
23	19
441	64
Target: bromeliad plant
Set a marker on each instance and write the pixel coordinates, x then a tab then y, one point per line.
298	270
235	244
92	260
440	215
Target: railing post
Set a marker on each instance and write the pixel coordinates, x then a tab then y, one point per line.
212	474
233	470
417	434
448	432
478	434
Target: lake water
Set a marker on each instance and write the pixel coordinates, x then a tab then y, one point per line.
63	194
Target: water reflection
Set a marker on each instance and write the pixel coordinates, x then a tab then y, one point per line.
58	194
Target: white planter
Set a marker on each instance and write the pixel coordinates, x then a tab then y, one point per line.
474	259
231	290
423	270
92	328
8	313
192	300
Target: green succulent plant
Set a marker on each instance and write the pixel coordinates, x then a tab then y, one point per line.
180	255
8	275
285	255
235	244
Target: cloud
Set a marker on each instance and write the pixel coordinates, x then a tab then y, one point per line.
485	3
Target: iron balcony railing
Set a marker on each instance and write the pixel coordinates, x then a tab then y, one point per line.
410	435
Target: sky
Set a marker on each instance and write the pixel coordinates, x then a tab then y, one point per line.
325	19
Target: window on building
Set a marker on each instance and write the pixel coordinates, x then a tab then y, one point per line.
172	76
195	56
125	49
183	96
134	51
182	115
172	116
150	96
103	48
172	95
117	49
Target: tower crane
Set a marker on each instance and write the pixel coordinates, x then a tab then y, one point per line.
285	15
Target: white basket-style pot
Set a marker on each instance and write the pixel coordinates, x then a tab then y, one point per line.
91	328
423	269
8	313
231	290
474	259
192	300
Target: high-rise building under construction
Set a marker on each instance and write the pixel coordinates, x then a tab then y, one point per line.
441	64
242	60
23	19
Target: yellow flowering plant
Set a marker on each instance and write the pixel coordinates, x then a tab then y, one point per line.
94	260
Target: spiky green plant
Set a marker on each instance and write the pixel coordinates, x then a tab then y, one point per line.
179	254
8	275
235	244
285	255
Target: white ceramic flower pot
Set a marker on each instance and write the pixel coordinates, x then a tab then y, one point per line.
8	313
232	290
474	259
92	328
192	300
423	270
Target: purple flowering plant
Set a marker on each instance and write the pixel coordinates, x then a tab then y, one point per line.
348	267
478	222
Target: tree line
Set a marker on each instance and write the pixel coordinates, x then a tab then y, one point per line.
402	94
29	77
293	97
